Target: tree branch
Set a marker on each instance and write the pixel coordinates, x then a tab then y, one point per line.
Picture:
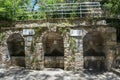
35	2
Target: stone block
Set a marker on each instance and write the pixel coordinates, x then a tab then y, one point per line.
66	45
113	36
101	22
27	48
110	30
54	62
78	65
28	44
79	54
29	38
39	57
39	45
77	58
111	43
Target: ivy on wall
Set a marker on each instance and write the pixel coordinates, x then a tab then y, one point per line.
34	60
63	30
72	44
72	41
38	31
32	47
1	37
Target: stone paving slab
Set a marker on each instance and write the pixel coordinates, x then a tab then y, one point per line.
54	74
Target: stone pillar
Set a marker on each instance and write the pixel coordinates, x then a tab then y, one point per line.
79	57
109	59
79	50
110	43
39	56
78	61
4	56
28	38
67	53
28	54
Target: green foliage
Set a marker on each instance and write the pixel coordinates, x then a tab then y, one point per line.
20	9
42	15
63	30
112	5
72	45
73	58
51	1
43	8
1	37
32	48
38	31
73	15
9	9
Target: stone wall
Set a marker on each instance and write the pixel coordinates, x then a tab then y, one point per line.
34	53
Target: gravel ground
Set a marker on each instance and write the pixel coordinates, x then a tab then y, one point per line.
54	74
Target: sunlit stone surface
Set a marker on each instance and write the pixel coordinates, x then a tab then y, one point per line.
54	74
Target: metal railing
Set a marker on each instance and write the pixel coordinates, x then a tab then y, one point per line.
64	10
61	10
83	9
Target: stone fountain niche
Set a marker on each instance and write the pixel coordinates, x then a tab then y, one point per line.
53	50
15	44
93	46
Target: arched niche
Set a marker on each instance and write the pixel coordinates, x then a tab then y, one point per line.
53	50
93	44
53	44
16	45
93	50
16	49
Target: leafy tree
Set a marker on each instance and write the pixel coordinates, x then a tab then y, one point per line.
112	5
9	9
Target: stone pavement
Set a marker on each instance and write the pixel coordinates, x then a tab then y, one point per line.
54	74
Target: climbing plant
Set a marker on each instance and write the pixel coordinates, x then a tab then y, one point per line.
1	37
63	31
72	41
37	32
32	47
72	44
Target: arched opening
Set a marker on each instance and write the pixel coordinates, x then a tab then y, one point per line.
93	45
53	50
16	49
